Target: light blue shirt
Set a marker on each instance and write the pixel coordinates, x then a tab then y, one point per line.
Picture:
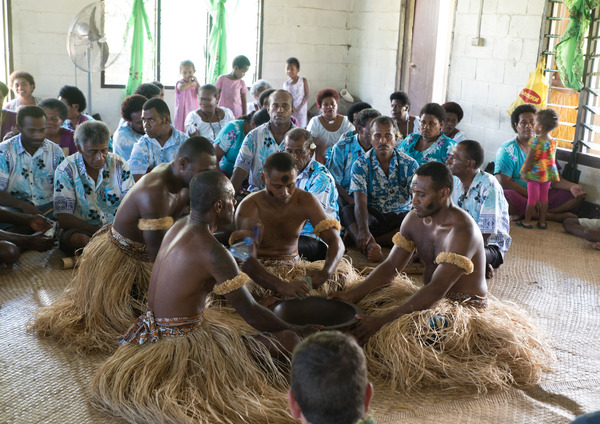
124	139
77	194
509	161
147	153
26	177
343	155
438	151
386	194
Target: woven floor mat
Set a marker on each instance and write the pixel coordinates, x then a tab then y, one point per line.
552	275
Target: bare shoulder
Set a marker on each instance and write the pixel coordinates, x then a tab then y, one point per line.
221	264
411	226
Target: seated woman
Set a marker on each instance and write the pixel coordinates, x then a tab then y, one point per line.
209	119
328	127
431	144
75	101
407	124
454	114
256	90
56	113
22	84
8	118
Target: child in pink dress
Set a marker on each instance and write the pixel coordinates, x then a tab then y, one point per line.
539	169
233	88
186	94
297	86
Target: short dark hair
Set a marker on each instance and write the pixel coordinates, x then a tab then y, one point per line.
3	90
240	61
548	118
282	91
297	134
158	84
514	116
211	89
434	109
57	105
194	147
264	95
364	115
20	74
148	90
293	61
327	92
452	107
159	104
474	151
280	161
329	378
206	189
355	108
400	95
132	104
91	132
385	120
261	117
32	111
438	172
74	96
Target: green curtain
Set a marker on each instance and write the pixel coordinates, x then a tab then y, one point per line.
569	52
139	21
217	42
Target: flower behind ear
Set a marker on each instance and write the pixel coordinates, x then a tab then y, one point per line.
312	146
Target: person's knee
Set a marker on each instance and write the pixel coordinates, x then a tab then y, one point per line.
569	223
9	253
79	240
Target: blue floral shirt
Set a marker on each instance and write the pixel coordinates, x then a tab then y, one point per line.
438	151
343	155
230	140
27	177
124	139
147	153
76	193
386	194
256	147
485	202
316	179
509	161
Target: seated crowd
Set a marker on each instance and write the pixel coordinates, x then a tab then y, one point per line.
152	209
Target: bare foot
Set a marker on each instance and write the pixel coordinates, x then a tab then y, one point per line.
489	271
596	245
374	252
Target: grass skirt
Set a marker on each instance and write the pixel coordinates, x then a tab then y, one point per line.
453	346
97	305
207	376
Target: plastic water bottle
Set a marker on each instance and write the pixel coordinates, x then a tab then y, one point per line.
241	250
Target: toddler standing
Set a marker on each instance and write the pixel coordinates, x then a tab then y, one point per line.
233	88
539	169
186	94
297	86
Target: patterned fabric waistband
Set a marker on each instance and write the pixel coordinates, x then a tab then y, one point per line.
131	248
468	299
277	260
149	329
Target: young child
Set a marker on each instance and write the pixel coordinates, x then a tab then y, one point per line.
297	86
233	89
186	94
539	169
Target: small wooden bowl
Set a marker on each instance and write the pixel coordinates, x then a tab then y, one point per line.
333	314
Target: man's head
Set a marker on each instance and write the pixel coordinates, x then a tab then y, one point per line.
74	99
31	122
279	175
211	191
465	158
91	138
522	121
354	109
195	155
56	113
161	87
131	111
400	104
156	118
383	132
148	90
363	125
280	107
260	117
329	380
431	188
263	100
298	144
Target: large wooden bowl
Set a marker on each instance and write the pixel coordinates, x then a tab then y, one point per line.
334	314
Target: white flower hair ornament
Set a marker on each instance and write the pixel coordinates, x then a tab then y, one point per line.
312	146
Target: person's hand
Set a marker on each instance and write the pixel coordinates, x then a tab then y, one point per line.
319	277
345	296
367	326
297	288
37	241
306	330
29	208
363	240
577	191
39	223
524	176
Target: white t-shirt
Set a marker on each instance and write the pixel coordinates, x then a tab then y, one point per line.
209	130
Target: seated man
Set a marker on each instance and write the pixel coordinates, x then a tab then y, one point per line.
585	228
329	381
108	290
262	141
132	129
316	179
380	186
563	197
27	165
11	243
182	362
88	187
480	194
282	210
346	151
161	142
443	334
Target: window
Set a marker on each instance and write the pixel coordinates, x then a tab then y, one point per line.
578	134
180	31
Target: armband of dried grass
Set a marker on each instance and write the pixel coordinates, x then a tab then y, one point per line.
239	235
403	243
455	259
230	285
156	224
326	224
